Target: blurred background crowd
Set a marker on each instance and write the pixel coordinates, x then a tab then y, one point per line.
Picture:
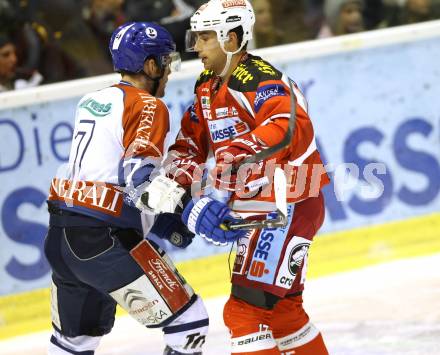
46	41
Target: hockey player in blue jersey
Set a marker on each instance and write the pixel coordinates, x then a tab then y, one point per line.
95	242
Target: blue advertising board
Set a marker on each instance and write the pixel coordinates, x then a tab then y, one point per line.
376	114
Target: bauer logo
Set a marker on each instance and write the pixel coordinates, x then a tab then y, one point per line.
233	19
227	128
254	339
265	92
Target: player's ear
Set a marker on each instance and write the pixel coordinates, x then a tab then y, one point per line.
231	43
151	68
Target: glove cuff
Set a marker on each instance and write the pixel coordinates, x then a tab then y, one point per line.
192	212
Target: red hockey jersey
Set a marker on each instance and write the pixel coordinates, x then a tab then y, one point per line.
255	101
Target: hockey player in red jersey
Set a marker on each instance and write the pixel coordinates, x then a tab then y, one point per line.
95	242
242	107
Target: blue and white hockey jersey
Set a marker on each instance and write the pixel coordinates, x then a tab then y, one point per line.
117	142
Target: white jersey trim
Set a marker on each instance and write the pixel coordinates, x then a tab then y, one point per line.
271	118
303	336
310	150
242	101
253	342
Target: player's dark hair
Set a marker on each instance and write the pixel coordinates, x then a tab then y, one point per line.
239	32
5	39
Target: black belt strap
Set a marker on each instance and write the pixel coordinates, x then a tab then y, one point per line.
75	221
257	297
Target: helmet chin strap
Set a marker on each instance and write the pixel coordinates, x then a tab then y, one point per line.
156	81
228	58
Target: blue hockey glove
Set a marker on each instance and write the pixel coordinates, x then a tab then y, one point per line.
205	217
169	226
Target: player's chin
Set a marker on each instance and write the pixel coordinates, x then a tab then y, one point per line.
206	64
160	93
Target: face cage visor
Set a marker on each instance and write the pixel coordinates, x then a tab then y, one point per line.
190	40
172	60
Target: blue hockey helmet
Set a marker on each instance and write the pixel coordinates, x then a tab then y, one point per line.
132	43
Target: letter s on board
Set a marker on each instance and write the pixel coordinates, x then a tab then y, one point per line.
25	232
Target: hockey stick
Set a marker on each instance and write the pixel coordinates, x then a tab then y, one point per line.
279	179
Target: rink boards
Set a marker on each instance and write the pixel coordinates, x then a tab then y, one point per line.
374	100
329	254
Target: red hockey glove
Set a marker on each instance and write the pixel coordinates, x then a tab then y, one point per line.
183	169
234	154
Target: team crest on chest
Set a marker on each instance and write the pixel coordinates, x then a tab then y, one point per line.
206	102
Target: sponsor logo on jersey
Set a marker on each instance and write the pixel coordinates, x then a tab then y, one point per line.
148	305
258	266
227	128
96	108
242	74
142	139
142	300
226	112
207	114
97	196
161	278
266	92
160	275
294	258
221	112
266	256
264	67
156	317
131	295
206	102
242	252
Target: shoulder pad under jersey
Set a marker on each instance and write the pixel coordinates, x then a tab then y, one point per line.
205	76
248	74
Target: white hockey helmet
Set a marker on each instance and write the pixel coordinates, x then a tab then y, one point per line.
222	16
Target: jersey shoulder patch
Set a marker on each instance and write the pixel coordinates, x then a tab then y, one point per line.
250	73
205	76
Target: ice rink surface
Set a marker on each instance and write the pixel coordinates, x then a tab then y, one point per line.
391	308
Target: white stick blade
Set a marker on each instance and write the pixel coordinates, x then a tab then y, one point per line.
280	186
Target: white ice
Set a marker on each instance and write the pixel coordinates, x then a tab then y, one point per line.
391	308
